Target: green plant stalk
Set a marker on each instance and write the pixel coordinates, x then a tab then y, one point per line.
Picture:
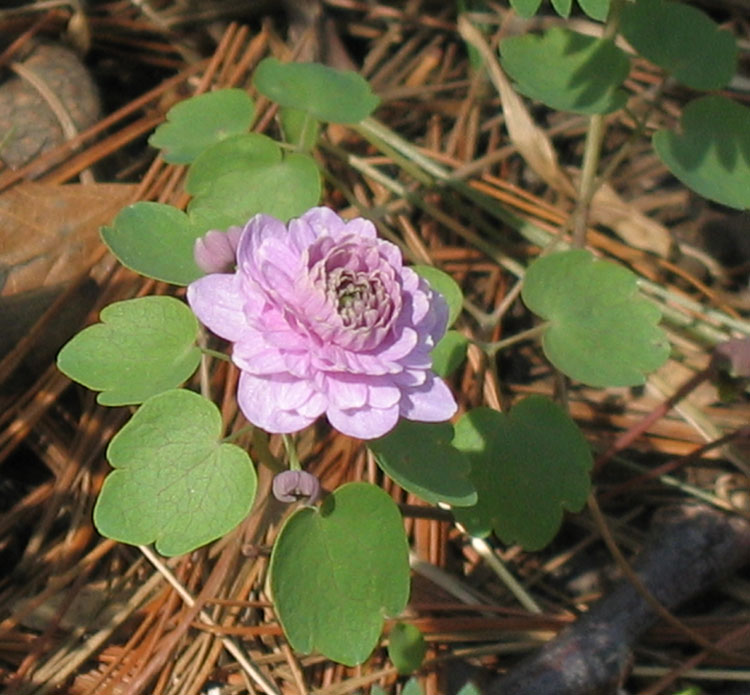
704	329
593	148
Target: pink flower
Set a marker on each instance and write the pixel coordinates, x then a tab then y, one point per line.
325	318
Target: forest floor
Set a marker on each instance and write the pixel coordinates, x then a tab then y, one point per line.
84	615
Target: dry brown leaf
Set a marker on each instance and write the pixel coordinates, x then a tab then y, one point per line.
530	140
49	232
638	230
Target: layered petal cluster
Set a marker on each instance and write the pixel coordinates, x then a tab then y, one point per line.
325	318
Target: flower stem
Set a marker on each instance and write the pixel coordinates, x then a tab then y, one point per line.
215	353
291	452
593	148
493	348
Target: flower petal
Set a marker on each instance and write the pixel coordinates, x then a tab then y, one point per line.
364	423
258	398
218	302
431	402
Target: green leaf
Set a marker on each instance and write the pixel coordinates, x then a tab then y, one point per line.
528	466
469	688
283	189
175	483
338	96
155	240
447	286
142	347
601	332
299	128
587	74
712	153
562	7
526	8
406	648
198	122
412	687
238	154
596	9
449	354
681	39
420	457
353	552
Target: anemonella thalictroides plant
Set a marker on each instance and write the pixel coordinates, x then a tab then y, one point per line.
323	318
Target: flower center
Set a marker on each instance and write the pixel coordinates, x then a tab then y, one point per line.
358	297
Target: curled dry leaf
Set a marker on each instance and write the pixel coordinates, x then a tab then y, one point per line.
631	225
531	141
48	234
51	99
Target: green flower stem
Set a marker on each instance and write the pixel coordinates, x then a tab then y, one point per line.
291	452
215	353
497	566
593	148
493	348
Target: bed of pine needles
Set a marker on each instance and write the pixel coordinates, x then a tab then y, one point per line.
84	615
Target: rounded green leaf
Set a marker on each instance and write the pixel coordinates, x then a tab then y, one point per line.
238	154
299	128
587	73
142	347
175	483
711	154
528	466
449	354
419	456
681	39
338	96
596	9
601	331
406	648
198	122
446	285
338	570
562	7
526	8
155	240
284	189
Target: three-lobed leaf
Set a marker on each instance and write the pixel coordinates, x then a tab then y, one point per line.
600	331
449	354
596	9
141	347
155	240
444	284
528	466
327	94
338	570
198	122
246	175
175	483
567	70
711	154
406	648
421	458
681	39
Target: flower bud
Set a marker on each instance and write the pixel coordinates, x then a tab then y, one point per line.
292	486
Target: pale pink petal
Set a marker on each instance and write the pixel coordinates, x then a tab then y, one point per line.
384	395
365	423
345	392
218	303
432	402
257	398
